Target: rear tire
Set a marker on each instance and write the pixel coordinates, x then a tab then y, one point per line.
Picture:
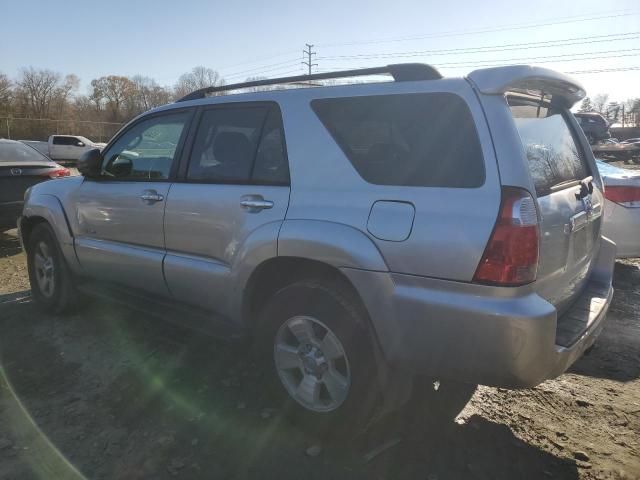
314	343
51	280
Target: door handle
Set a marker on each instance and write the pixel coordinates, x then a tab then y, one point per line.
255	203
151	196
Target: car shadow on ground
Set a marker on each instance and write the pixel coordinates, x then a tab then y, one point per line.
9	244
123	395
616	355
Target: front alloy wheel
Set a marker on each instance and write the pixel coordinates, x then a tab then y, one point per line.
44	269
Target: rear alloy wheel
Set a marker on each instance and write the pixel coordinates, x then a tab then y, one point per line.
314	344
312	364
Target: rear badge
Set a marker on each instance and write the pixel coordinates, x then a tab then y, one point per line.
16	172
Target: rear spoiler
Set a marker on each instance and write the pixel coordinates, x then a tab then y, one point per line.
528	80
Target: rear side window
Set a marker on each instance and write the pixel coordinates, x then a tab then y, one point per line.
420	140
239	145
554	158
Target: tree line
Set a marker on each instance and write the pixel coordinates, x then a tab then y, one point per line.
41	102
626	113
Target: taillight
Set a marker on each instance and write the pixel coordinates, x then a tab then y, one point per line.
627	196
58	172
511	256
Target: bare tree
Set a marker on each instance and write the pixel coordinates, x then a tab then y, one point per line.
64	92
600	102
198	77
586	105
113	91
38	89
5	89
148	94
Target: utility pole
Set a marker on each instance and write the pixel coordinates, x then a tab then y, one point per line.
309	63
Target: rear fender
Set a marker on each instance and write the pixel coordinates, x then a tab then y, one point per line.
335	244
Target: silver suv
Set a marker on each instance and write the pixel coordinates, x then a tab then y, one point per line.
379	243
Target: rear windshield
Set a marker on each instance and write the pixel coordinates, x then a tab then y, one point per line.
423	140
554	157
19	152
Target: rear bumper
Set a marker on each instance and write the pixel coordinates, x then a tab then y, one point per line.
477	334
622	225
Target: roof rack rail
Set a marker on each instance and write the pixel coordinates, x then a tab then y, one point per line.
401	72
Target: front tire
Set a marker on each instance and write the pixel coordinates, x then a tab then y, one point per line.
50	278
314	343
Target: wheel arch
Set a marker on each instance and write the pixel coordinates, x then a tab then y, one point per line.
48	208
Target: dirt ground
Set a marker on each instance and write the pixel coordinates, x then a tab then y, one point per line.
110	393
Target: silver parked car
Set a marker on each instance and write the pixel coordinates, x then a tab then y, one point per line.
622	208
370	239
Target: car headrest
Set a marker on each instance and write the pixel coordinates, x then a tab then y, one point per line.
232	147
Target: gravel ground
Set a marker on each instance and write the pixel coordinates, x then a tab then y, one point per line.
108	393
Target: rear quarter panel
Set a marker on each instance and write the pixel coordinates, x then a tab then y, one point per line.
451	226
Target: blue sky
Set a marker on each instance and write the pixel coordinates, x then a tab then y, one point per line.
162	39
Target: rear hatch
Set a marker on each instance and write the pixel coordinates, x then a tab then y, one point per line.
569	202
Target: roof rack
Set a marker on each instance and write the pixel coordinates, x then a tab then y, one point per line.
401	72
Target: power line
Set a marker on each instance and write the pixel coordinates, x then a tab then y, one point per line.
494	48
604	70
569	57
502	28
573	57
309	62
260	60
270	72
264	68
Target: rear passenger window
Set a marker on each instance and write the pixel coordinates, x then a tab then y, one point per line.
239	145
553	156
422	140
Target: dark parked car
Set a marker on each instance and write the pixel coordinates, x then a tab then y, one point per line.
21	166
594	125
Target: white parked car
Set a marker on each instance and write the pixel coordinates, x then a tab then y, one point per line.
70	147
622	208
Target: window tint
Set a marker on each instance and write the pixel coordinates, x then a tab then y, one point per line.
426	140
239	144
65	141
551	150
19	152
148	149
271	162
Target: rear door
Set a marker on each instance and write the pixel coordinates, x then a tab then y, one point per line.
570	204
234	183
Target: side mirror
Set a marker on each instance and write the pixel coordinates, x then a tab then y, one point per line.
90	163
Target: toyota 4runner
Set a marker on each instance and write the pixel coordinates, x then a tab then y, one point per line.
379	243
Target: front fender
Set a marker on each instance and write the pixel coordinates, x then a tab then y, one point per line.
336	244
49	207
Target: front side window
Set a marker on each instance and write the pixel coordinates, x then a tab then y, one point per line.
147	150
553	156
419	140
239	145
